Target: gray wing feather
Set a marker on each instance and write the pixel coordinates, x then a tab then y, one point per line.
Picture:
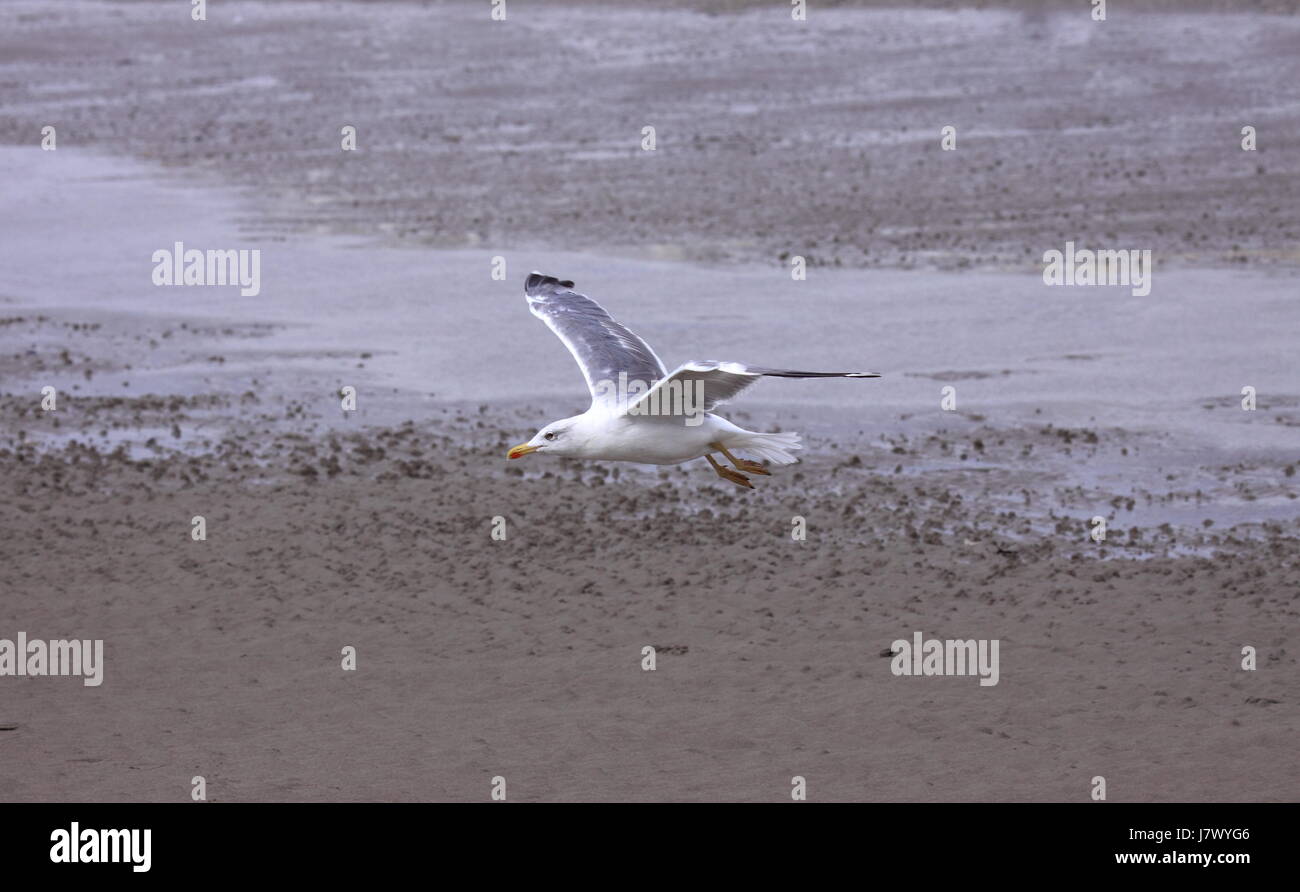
724	380
602	347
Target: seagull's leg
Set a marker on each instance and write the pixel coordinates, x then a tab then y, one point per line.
727	474
742	464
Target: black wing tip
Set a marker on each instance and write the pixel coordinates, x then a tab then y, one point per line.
536	283
792	373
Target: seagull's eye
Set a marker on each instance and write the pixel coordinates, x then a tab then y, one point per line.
549	435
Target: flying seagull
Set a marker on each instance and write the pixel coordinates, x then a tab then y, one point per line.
639	412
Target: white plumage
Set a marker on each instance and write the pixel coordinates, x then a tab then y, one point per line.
639	412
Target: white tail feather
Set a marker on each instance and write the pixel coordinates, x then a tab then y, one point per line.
774	448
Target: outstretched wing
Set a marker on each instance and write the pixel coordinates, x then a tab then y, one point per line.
602	347
721	381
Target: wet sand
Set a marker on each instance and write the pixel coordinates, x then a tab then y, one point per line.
773	138
522	657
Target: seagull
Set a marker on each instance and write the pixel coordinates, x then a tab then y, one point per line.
639	412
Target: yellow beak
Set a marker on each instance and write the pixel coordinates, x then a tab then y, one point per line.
520	451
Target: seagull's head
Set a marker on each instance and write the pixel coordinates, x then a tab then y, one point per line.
565	437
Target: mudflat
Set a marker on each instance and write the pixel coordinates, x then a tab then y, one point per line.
522	657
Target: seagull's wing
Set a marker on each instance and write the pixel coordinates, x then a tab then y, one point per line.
602	347
721	380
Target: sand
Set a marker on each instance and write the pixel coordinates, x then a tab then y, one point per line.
523	658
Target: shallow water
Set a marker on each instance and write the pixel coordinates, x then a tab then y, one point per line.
414	330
